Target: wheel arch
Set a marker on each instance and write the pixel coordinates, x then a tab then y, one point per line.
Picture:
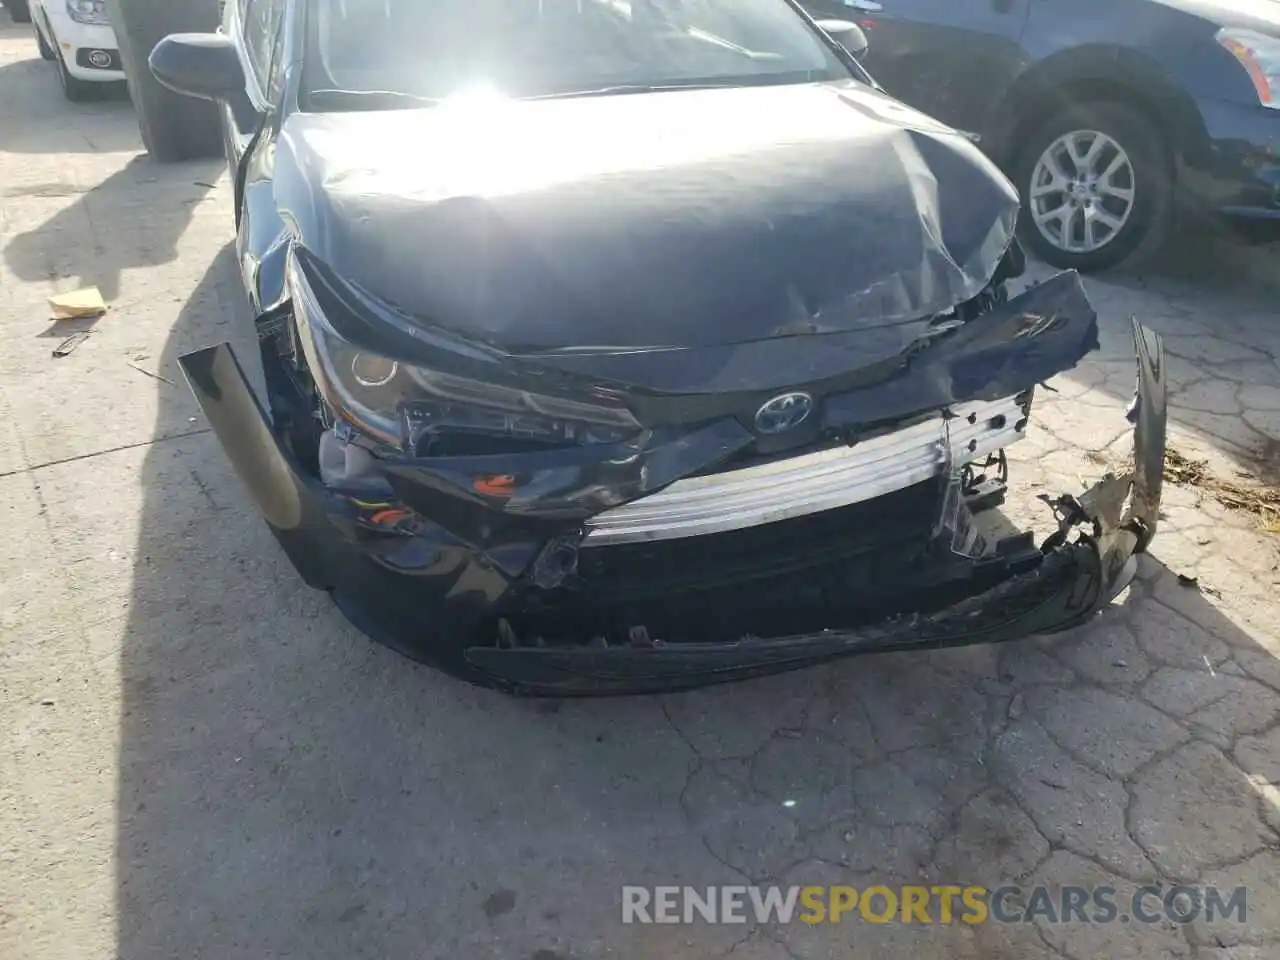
1096	72
40	18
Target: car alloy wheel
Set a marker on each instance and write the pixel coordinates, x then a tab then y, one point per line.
1082	191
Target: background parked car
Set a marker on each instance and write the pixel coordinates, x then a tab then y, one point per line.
1108	115
77	36
19	10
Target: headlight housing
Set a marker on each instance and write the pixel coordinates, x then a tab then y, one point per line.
88	11
425	412
1259	54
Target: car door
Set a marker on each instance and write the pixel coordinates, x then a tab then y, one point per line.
951	59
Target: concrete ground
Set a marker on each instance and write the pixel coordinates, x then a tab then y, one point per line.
204	760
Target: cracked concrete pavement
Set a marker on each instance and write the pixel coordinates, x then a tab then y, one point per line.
203	759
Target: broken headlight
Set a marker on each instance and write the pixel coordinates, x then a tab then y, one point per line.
426	412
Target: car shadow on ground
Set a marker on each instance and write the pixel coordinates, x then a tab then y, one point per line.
129	227
1211	259
287	787
42	122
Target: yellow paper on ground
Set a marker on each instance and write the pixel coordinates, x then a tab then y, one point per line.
79	303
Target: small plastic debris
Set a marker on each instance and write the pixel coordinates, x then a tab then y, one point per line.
67	346
46	703
639	637
1016	706
79	303
154	376
1185	581
507	635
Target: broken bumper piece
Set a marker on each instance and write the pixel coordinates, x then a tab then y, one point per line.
904	570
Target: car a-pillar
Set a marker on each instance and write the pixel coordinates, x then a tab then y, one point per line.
173	127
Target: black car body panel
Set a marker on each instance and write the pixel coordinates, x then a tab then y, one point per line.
861	377
559	250
682	261
446	587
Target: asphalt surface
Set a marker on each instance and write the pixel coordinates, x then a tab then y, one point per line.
203	760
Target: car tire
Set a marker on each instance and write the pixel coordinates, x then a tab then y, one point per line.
1096	182
19	10
173	127
73	88
46	51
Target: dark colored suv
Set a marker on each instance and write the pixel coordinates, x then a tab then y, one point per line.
1108	115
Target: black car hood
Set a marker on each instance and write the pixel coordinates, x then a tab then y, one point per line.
671	219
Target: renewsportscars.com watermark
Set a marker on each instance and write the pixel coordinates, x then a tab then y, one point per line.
942	904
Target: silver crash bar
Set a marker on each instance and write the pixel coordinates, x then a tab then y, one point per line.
815	481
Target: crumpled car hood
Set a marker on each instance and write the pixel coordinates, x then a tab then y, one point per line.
673	219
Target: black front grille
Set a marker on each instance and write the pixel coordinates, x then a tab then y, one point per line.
791	575
658	567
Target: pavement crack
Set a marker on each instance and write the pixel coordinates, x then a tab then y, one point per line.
205	492
781	943
1051	946
741	941
1129	781
102	453
695	765
662	705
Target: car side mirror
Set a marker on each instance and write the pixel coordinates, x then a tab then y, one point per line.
848	34
204	65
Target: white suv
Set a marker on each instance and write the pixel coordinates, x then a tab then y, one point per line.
77	35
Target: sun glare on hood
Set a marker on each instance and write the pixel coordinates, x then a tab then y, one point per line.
496	144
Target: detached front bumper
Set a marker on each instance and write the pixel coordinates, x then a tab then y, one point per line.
497	615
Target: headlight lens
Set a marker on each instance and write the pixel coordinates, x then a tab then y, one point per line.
87	11
432	413
1259	54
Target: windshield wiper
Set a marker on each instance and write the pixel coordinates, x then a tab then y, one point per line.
637	88
336	99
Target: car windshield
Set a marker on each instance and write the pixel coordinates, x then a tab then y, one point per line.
374	53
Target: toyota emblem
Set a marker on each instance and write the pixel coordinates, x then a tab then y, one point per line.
784	412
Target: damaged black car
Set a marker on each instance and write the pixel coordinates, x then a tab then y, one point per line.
629	345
